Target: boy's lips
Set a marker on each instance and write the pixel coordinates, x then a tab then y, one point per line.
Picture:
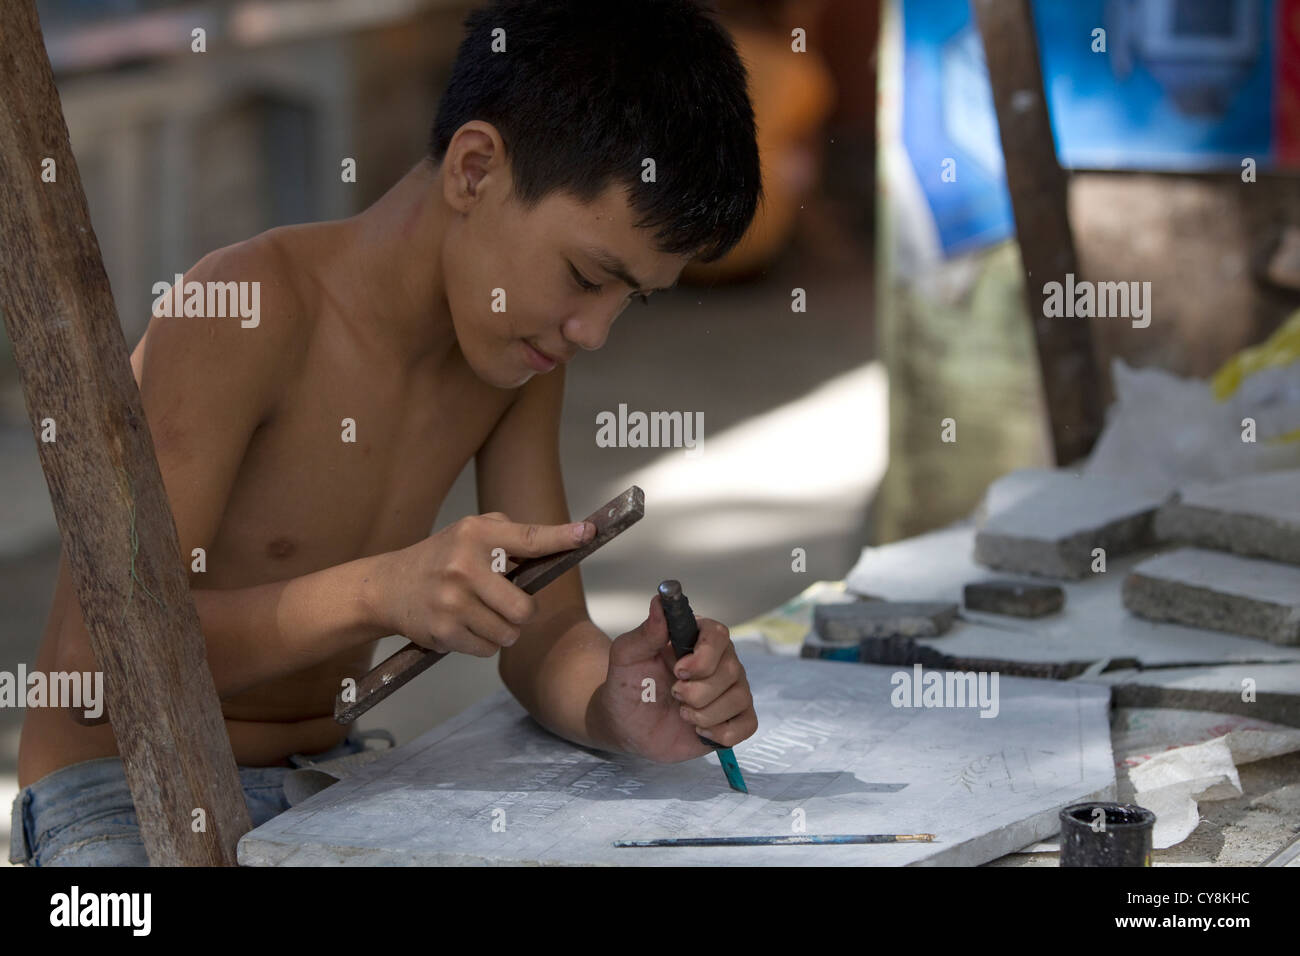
542	361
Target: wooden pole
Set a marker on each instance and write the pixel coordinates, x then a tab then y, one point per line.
1073	386
117	527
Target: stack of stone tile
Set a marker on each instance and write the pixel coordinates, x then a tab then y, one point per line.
1233	562
1069	526
1229	553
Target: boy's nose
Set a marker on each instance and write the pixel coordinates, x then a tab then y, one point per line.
590	331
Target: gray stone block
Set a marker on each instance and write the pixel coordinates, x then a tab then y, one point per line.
851	623
492	787
1258	516
1219	591
1014	598
1053	532
1275	689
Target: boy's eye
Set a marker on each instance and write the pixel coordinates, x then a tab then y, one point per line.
583	283
586	286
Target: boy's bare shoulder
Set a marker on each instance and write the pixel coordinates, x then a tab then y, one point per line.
272	261
254	359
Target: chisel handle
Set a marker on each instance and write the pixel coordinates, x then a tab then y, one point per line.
683	631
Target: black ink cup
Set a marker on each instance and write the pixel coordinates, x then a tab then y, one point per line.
1118	835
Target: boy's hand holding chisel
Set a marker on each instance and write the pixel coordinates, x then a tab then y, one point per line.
655	705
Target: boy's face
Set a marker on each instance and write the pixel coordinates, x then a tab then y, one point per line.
515	280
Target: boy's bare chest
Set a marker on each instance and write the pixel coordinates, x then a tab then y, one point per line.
357	461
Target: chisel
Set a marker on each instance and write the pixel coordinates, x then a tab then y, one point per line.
683	632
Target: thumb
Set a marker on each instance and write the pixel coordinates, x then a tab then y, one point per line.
645	641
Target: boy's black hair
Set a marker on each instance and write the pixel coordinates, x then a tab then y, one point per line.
587	89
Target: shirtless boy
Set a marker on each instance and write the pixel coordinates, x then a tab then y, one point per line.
316	547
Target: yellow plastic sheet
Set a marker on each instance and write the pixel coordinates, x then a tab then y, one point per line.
1281	348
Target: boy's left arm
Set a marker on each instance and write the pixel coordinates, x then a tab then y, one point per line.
631	694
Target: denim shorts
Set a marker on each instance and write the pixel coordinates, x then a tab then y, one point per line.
83	815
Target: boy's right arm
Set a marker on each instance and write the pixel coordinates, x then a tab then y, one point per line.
206	385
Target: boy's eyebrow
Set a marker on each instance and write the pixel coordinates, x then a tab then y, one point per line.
615	267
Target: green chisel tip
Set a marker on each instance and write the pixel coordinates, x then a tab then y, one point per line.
732	770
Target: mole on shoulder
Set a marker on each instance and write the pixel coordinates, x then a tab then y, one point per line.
281	548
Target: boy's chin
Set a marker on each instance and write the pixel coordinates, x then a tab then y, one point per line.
501	371
520	379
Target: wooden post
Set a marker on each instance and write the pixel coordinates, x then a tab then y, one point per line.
1072	383
117	527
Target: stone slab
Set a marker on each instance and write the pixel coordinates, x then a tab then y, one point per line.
1275	690
830	744
1093	626
1027	653
1220	591
1257	516
1092	633
1013	598
841	631
1017	484
850	623
1053	531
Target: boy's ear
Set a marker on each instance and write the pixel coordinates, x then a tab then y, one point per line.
474	153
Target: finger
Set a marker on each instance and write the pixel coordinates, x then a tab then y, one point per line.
713	643
733	731
536	540
733	702
644	642
505	598
475	646
457	639
483	622
703	691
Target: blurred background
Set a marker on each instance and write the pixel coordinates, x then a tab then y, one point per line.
821	426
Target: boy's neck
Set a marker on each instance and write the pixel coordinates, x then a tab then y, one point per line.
397	245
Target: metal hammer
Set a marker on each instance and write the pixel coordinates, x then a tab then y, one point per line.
611	519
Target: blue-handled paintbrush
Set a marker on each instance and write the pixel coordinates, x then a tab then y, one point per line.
797	839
